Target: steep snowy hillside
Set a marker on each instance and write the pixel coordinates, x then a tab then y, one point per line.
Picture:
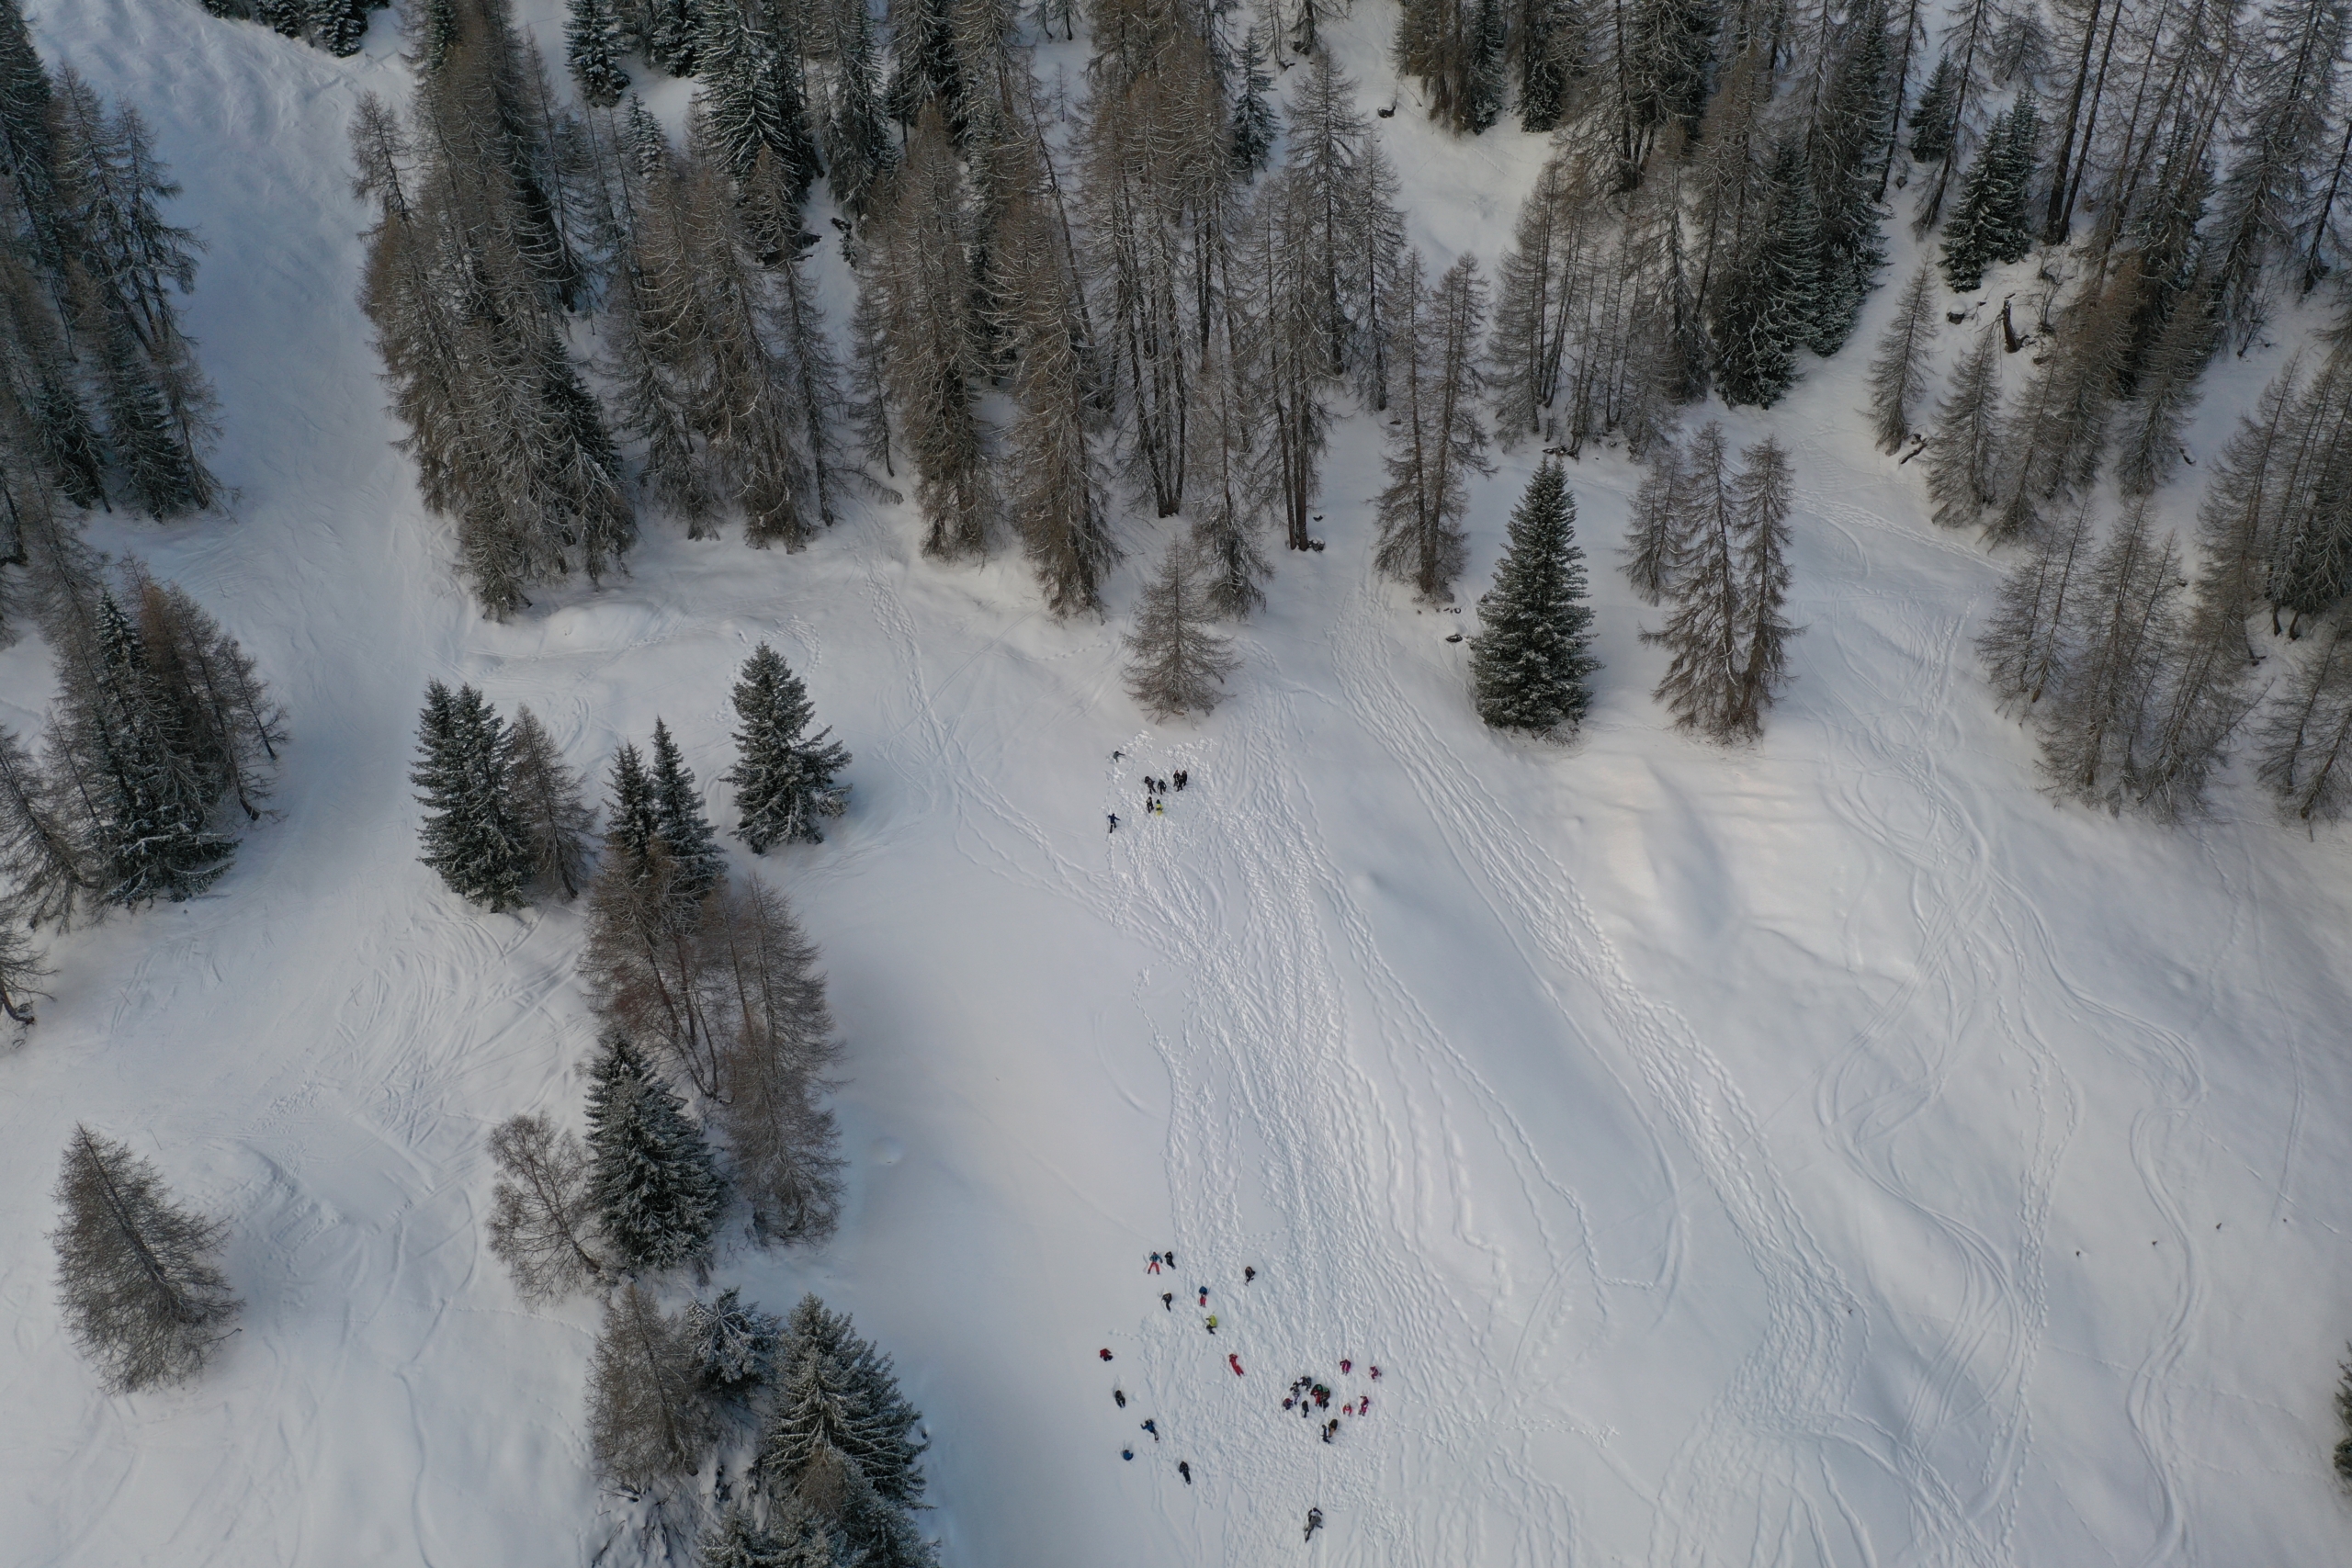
1826	1152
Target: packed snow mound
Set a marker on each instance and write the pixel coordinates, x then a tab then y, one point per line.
1822	1152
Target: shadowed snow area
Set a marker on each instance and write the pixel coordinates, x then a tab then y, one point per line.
1821	1153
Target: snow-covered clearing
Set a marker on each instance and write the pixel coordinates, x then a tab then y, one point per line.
1823	1153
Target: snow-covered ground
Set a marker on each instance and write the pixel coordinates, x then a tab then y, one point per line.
1823	1153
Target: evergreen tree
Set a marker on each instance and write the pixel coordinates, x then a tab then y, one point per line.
735	1345
648	1417
1768	309
1961	448
656	1189
1228	462
1855	110
752	95
1254	125
1175	664
840	1426
593	45
1932	117
472	834
633	827
160	474
858	148
2288	82
2304	749
340	27
1899	370
1057	492
784	779
679	821
1550	42
544	796
1704	632
1761	496
673	33
142	1293
734	1542
1533	662
925	65
48	873
1994	222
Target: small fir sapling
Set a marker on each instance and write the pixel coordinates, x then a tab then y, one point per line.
785	779
1533	662
143	1298
1176	663
649	1419
543	1208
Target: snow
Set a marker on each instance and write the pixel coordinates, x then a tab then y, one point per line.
1826	1152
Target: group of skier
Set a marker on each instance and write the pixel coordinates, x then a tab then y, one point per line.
1155	804
1308	1396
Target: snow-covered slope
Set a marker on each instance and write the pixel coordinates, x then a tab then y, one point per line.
1822	1153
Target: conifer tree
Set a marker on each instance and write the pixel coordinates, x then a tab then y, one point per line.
779	1046
1229	457
143	1296
1439	440
2051	440
684	831
225	728
1961	447
1704	631
1767	310
1287	291
1761	495
631	827
1058	492
841	1438
543	1208
1175	664
1655	532
340	27
1850	123
785	779
1533	662
544	793
2288	82
1549	39
734	1542
47	872
752	93
1254	124
657	1191
472	834
647	1418
2023	646
2119	639
673	34
593	45
1994	222
859	151
735	1345
1899	370
1932	117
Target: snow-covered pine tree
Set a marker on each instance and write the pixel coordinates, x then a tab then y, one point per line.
2023	646
859	151
2304	749
631	824
145	812
2052	438
340	27
1290	309
1962	447
1849	127
1531	663
1176	664
27	145
144	1297
2092	725
1994	222
1932	116
733	1541
1254	123
1229	457
679	822
21	970
2239	513
1438	440
224	724
1656	537
924	66
1761	496
1549	40
472	834
657	1191
1766	312
50	424
543	1208
735	1344
648	1418
1899	369
671	33
918	274
840	1437
2310	532
593	45
752	93
785	780
1703	633
543	796
159	473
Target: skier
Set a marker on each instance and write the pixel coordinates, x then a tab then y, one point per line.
1346	1365
1184	1469
1204	1295
1212	1323
1375	1373
1105	1352
1313	1522
1291	1401
1250	1274
1233	1360
1330	1428
1170	1255
1168	1300
1126	1453
1114	823
1116	755
1153	1427
1121	1396
1346	1409
1181	776
1363	1405
1153	1268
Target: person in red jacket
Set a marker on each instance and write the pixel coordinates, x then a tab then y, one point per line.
1233	1360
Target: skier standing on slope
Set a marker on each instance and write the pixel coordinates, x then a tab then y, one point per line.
1168	1300
1184	1469
1153	1266
1313	1522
